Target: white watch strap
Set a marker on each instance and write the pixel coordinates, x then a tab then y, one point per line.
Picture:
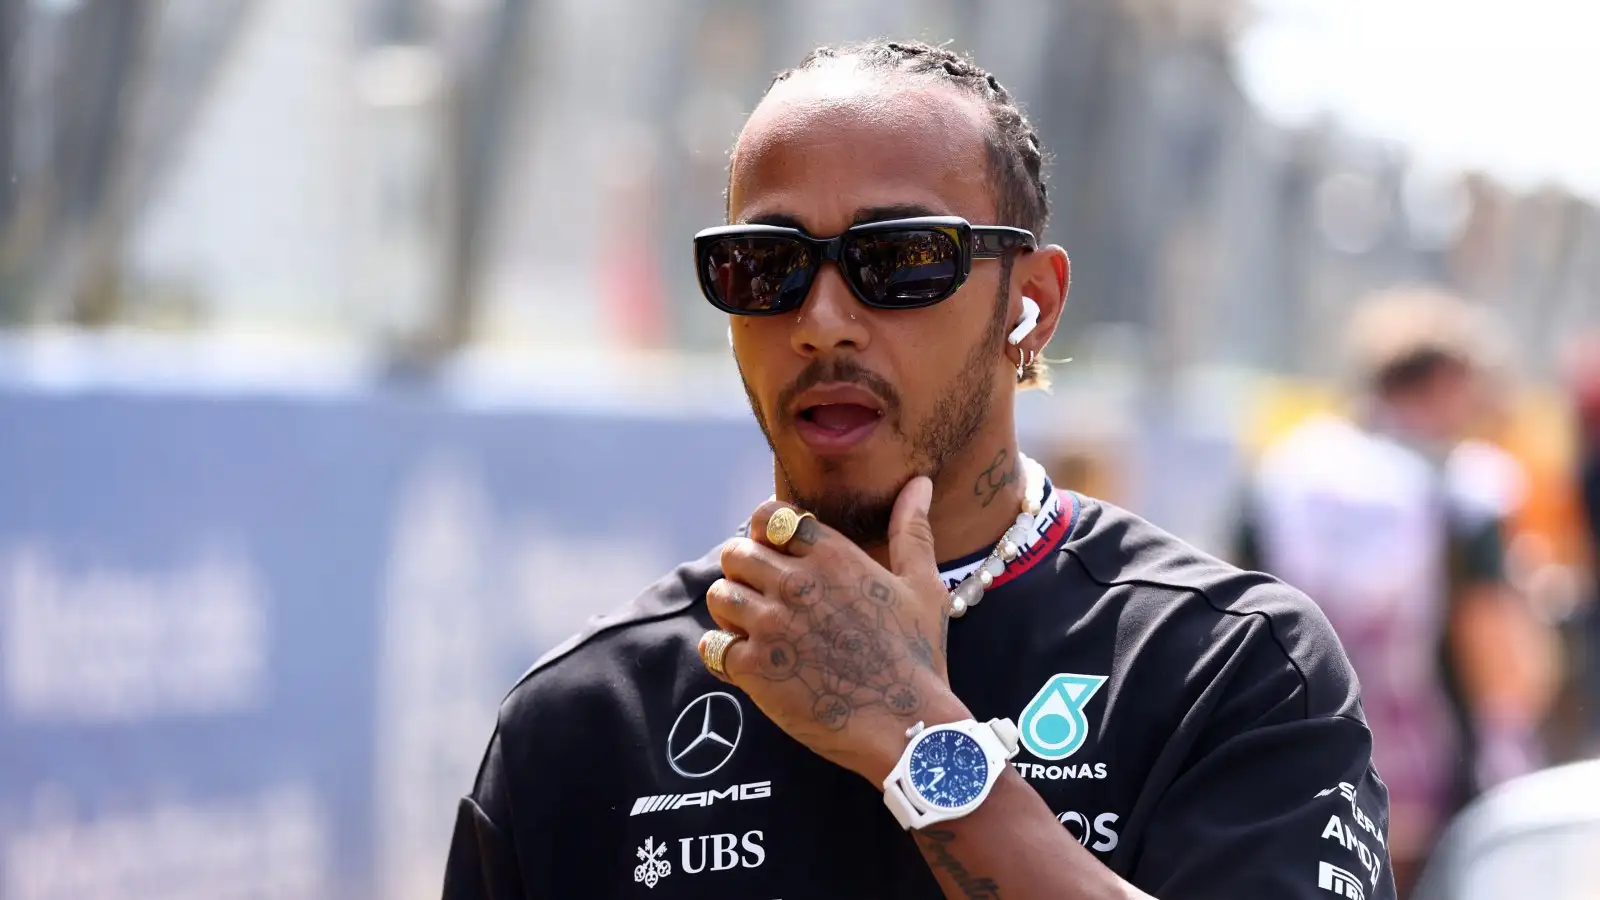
894	797
1000	740
1010	737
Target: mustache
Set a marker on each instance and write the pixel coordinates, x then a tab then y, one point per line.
842	370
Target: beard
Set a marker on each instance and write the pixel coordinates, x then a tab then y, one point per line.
963	408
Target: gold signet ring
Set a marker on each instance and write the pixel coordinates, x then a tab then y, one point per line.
783	524
714	650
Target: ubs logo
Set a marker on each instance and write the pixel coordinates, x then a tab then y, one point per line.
706	733
716	853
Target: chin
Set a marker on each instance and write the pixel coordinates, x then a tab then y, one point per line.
848	494
861	471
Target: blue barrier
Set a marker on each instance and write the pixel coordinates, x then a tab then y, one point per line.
252	646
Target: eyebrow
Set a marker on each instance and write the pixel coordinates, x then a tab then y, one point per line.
863	215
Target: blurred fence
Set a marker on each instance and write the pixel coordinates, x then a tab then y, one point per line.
429	174
254	647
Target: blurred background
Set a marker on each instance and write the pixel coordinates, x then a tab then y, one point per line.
351	356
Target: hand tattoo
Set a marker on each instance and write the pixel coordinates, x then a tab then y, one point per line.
878	592
994	479
845	643
800	588
903	699
780	660
831	710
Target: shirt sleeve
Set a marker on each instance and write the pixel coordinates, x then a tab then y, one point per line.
1478	552
1290	810
483	863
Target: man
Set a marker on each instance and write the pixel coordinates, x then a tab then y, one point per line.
1120	716
1394	522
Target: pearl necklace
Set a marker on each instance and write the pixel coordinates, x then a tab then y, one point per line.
969	592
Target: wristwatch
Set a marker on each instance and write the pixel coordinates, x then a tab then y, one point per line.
947	770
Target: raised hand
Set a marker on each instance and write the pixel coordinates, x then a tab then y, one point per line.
839	652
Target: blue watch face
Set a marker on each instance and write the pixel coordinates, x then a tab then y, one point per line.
948	769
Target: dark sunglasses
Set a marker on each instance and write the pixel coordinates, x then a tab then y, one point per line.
763	270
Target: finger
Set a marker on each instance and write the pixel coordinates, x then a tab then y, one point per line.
771	573
755	564
729	605
745	657
806	536
701	649
740	660
911	553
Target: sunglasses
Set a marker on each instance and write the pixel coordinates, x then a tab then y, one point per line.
764	270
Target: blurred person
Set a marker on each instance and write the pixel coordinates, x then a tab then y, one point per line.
1122	716
1546	553
1393	520
1589	458
1586	394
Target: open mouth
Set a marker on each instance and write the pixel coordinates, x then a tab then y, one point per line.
834	419
840	418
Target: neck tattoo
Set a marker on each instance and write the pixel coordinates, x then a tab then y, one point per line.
969	592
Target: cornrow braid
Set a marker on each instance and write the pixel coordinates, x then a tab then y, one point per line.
1015	158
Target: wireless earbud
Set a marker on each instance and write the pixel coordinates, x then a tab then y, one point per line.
730	335
1025	325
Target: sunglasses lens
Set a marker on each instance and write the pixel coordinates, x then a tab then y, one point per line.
903	268
758	274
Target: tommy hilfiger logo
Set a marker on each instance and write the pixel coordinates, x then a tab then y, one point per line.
755	790
1050	525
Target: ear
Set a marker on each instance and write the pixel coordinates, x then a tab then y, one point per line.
1045	276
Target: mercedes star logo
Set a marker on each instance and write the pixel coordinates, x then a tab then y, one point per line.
705	735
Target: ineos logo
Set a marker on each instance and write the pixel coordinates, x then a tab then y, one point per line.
1103	829
705	735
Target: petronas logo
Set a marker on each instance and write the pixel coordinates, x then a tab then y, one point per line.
1052	724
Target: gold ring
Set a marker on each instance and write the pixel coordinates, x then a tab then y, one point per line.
714	649
783	525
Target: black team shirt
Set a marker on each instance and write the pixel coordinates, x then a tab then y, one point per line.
1196	727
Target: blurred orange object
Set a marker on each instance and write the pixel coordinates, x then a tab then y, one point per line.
1539	433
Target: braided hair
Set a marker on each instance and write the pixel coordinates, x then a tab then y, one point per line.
1014	157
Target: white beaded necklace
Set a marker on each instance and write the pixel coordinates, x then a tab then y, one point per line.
969	592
